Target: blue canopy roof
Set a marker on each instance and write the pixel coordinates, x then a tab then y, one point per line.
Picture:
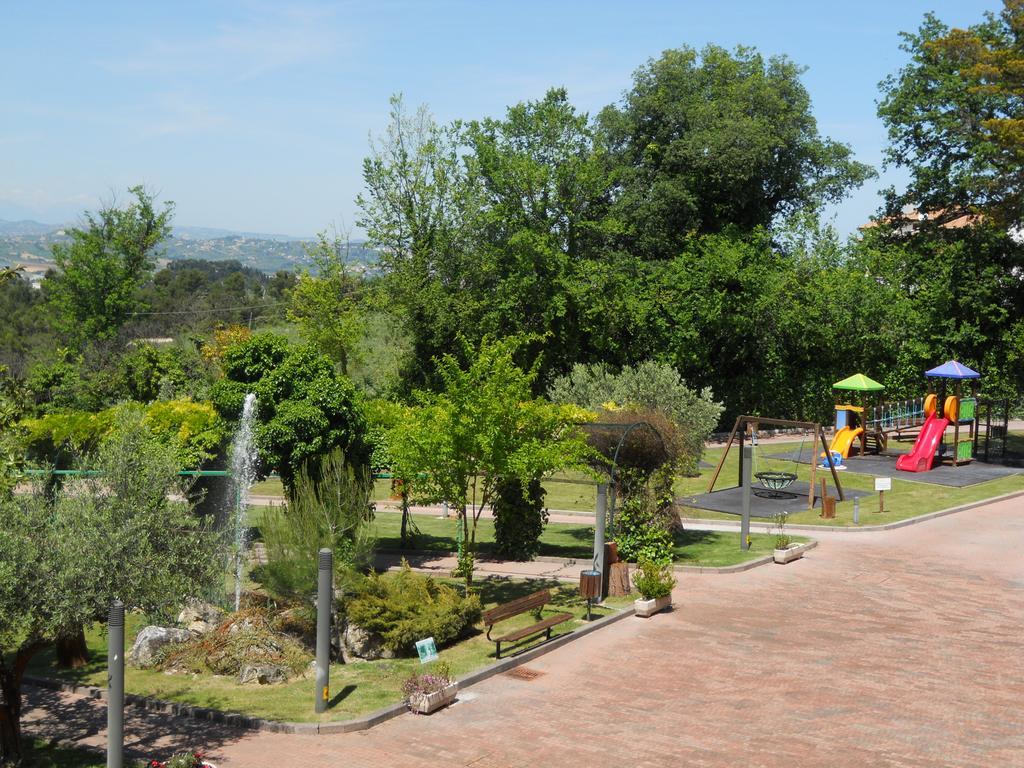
951	369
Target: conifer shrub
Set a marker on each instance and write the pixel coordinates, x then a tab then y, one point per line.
403	607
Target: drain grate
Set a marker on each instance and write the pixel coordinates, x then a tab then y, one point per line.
524	673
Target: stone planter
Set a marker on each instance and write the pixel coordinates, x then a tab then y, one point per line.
789	554
647	608
425	703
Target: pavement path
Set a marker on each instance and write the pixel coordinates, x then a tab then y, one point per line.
900	648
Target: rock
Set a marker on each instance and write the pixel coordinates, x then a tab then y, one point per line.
151	639
200	617
358	644
264	674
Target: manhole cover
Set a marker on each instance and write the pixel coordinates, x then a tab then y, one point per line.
524	673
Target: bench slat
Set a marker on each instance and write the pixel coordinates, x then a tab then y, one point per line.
540	626
515	607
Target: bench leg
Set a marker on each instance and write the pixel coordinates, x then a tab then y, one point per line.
498	654
549	635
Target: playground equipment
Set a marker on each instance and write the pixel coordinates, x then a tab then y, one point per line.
848	414
958	411
776	482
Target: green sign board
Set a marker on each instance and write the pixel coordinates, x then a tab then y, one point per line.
427	649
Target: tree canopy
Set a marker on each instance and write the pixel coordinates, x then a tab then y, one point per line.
955	120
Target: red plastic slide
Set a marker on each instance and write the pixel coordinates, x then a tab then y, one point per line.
920	458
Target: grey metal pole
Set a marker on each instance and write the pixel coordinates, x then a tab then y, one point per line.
856	511
599	521
746	460
115	685
325	586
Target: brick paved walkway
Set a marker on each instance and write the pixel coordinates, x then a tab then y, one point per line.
903	648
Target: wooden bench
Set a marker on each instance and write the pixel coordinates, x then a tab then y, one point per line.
538	599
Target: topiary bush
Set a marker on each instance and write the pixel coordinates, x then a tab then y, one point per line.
403	607
519	519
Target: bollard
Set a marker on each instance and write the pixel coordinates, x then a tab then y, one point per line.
324	598
115	685
745	523
599	521
856	511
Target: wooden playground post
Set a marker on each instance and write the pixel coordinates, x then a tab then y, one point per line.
725	453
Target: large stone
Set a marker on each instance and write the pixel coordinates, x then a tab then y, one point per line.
360	644
200	617
150	640
264	674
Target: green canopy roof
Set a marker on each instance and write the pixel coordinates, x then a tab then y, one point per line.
859	383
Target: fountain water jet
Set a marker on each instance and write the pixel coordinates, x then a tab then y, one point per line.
243	476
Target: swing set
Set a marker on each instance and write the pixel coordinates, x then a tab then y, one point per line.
774	483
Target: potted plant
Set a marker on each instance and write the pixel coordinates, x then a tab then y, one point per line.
654	581
426	693
182	760
785	549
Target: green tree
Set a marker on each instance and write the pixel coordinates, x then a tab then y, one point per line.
62	563
708	140
101	270
305	407
330	508
420	212
483	427
326	305
955	118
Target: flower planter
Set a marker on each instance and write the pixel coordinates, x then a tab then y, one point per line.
789	554
647	608
425	703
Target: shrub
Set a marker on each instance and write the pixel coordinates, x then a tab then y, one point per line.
648	519
654	579
403	607
782	539
519	519
248	637
329	507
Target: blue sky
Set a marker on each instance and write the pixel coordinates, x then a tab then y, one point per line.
256	116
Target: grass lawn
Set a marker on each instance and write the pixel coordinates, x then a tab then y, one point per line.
703	548
357	689
906	499
574	491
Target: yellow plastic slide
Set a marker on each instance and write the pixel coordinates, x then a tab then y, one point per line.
843	440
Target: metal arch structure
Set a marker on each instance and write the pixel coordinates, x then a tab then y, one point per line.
626	430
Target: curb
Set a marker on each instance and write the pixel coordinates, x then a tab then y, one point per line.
863	528
249	723
569	562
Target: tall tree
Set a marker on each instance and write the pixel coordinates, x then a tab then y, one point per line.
712	139
100	271
326	304
419	211
955	116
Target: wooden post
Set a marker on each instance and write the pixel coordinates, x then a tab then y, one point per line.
814	474
725	453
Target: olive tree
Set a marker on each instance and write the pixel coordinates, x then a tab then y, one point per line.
117	535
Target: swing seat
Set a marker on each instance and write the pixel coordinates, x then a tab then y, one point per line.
776	481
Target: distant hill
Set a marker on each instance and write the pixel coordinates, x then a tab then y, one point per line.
31	242
25	227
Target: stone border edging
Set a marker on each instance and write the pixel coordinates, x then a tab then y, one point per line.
568	562
247	722
865	528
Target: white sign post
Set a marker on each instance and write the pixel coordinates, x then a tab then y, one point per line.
882	484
